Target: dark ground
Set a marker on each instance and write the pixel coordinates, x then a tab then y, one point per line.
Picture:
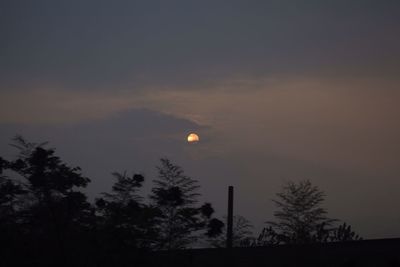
385	252
379	253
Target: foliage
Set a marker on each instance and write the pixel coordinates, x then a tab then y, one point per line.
42	206
344	233
267	237
175	195
43	209
44	203
53	199
125	189
10	203
242	234
300	217
124	220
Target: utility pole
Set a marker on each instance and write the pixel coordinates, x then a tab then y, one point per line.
229	232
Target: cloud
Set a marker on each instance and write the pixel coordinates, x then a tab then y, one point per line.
344	123
87	46
131	140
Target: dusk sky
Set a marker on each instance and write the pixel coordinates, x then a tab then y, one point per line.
276	90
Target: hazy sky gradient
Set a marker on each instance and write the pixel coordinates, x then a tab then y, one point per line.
277	90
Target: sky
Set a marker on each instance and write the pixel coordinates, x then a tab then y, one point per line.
277	90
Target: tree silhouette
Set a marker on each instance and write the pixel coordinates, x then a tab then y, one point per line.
45	216
126	188
344	233
125	221
175	195
267	237
51	211
242	234
11	193
299	217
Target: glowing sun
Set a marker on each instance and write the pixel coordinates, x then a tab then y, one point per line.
193	138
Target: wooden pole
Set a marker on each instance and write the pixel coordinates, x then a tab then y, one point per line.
229	232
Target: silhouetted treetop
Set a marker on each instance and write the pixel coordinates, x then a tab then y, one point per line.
44	171
175	195
173	185
123	220
344	233
42	204
126	187
299	214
